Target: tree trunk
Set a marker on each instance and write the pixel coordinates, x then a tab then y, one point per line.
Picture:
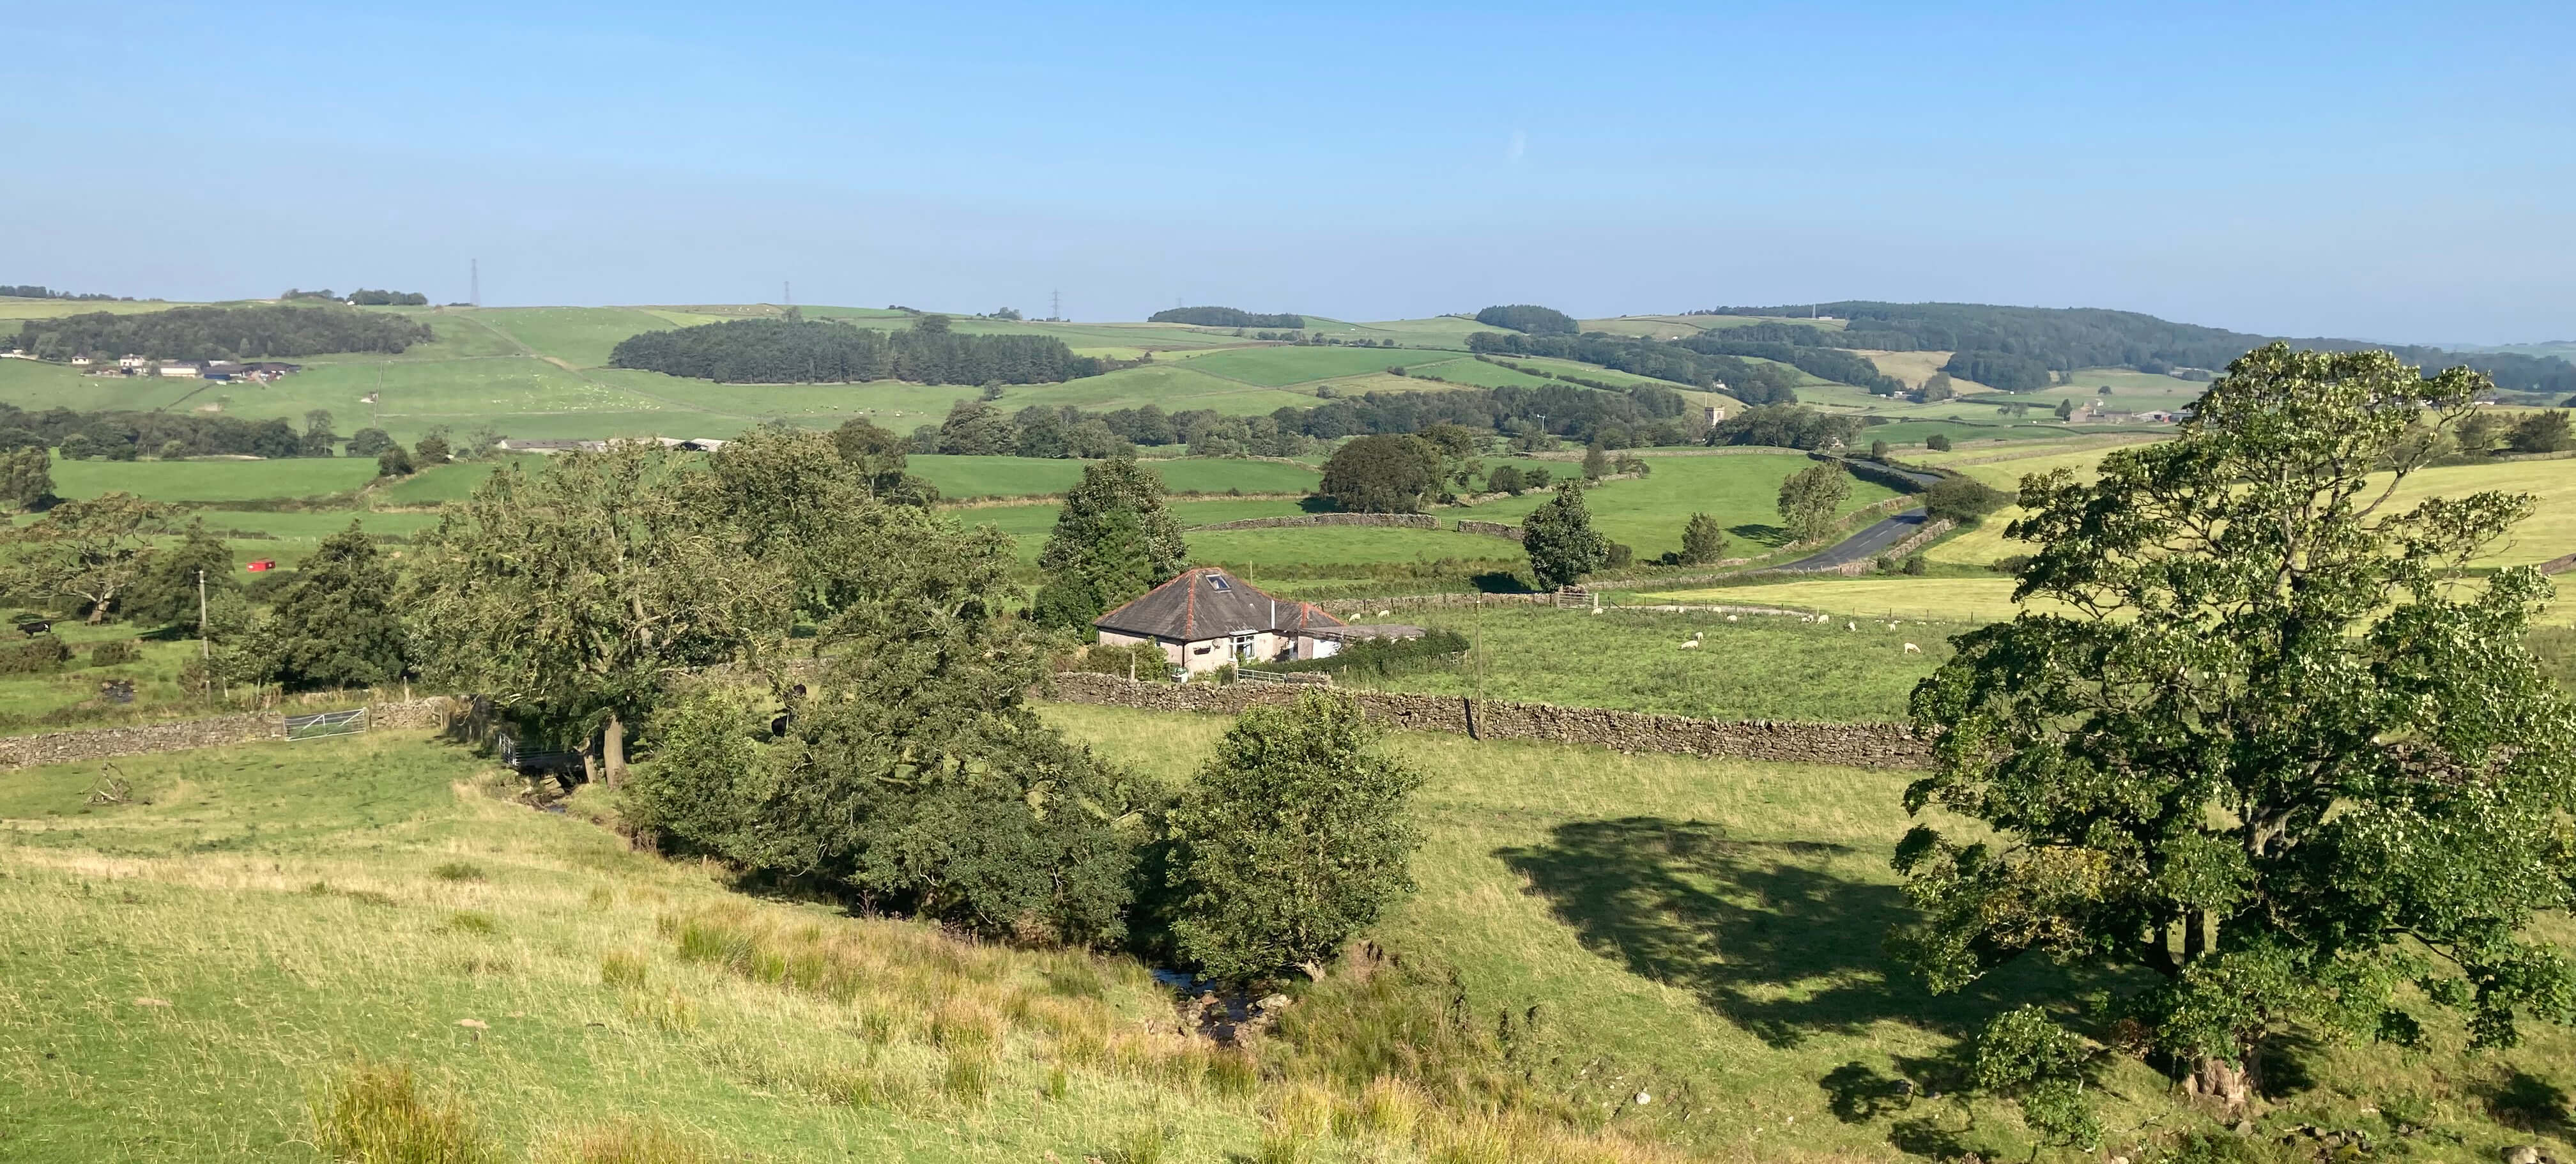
613	745
2230	1085
589	761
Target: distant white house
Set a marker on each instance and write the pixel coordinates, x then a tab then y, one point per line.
133	363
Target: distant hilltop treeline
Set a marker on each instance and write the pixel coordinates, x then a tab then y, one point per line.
220	333
32	291
363	297
2016	348
1226	317
799	351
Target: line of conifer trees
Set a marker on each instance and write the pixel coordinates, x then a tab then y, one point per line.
793	351
220	333
1226	317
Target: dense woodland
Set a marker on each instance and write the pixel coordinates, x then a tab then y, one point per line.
793	351
1637	418
1821	362
2019	343
1226	317
221	333
124	435
366	298
1529	318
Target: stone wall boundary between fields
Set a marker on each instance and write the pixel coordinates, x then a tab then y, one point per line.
108	743
1851	745
1396	520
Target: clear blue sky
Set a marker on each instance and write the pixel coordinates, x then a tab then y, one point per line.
2391	171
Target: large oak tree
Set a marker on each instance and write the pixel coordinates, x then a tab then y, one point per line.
2266	744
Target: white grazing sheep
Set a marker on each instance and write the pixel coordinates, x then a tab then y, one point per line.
1697	635
1687	644
1383	613
1911	649
1730	618
1851	626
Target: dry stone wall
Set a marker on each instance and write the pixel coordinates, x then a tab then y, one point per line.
1858	745
182	735
1398	520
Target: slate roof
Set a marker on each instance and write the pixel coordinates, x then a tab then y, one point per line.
1206	603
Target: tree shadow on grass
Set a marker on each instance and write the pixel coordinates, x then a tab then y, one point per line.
1759	534
1763	932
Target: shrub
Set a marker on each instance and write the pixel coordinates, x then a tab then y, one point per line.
1963	499
1915	564
2009	564
1937	442
1703	541
393	462
36	655
378	1113
1379	658
113	652
1294	836
1622	555
1505	479
457	871
1143	661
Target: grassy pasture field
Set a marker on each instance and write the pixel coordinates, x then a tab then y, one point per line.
1970	600
70	698
1755	667
1741	490
1672	327
1479	374
200	481
259	918
964	477
1281	366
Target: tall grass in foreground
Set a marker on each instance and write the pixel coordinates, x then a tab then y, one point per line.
380	1113
1378	1055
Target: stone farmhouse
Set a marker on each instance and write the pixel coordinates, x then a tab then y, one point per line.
1207	618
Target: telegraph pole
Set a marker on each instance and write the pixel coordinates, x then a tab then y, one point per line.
474	282
204	651
1055	304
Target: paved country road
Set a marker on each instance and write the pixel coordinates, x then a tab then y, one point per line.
1869	542
1864	545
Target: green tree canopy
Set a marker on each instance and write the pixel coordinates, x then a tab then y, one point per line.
1811	498
86	551
1703	540
1559	537
27	476
573	594
2270	752
1294	837
913	773
1381	474
1112	541
337	623
166	592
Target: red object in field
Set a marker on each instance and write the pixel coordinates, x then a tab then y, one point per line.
262	565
